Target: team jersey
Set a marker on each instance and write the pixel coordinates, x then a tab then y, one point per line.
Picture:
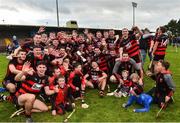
130	45
94	75
162	45
9	75
127	83
101	59
32	84
63	96
76	80
164	84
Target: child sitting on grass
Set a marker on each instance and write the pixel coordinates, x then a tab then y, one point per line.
62	100
124	86
137	95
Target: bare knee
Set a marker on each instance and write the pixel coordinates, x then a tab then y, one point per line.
31	98
113	79
44	109
25	99
11	88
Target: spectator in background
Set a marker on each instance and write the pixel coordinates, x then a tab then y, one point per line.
9	49
15	42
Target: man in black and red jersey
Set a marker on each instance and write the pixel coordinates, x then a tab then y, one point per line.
97	78
112	60
14	67
31	87
112	41
129	44
165	87
77	83
101	59
160	45
125	63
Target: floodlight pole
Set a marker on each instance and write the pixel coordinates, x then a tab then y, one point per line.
134	5
57	10
133	16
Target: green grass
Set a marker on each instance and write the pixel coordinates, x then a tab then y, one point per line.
107	109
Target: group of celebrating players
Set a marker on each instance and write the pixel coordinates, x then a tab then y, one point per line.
56	69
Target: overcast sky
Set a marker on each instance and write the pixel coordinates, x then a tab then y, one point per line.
90	13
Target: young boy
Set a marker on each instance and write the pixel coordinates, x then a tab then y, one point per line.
137	95
124	86
140	98
62	99
77	83
97	78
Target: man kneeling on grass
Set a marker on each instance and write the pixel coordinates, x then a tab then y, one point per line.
31	87
164	87
97	78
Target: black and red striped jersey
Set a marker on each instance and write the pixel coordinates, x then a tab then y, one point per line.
94	75
33	84
101	59
9	75
127	83
162	45
130	45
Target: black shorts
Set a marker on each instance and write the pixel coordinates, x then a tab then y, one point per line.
76	94
159	57
62	108
96	85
